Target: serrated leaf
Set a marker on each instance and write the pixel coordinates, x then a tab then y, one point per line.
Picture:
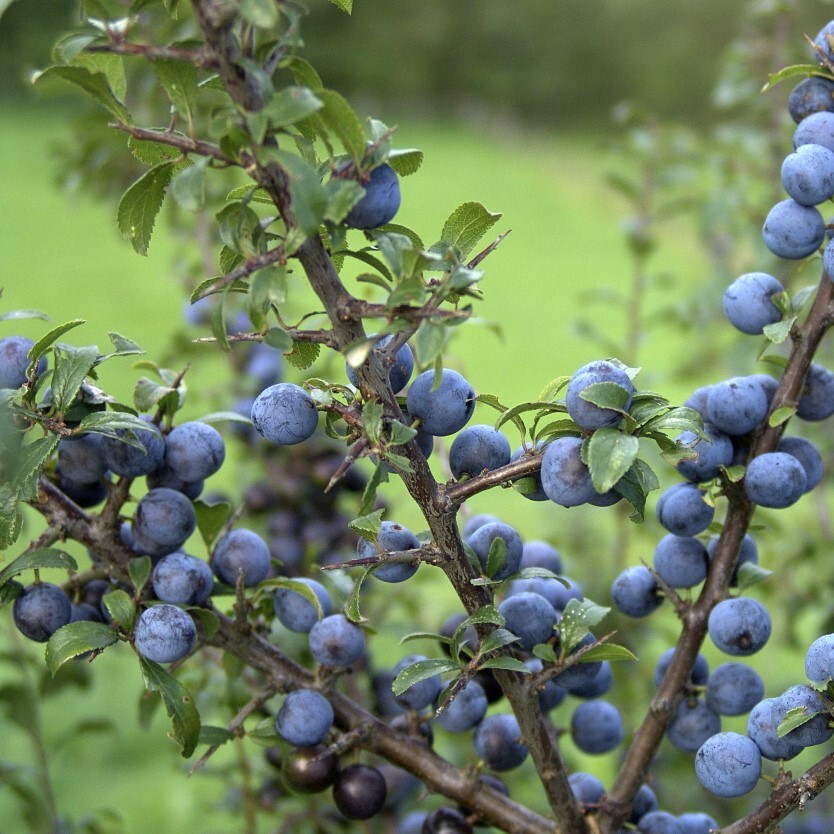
140	205
109	65
45	557
781	415
578	618
545	652
512	664
465	226
303	354
211	519
45	342
188	187
72	365
607	651
635	485
108	422
214	736
75	639
610	455
249	194
151	153
749	574
425	635
678	419
149	396
304	73
780	330
368	526
379	476
405	161
179	78
543	407
420	671
793	71
345	5
429	341
180	706
342	196
553	387
207	621
291	104
342	121
11	519
497	557
606	395
794	718
29	466
139	569
121	608
123	345
95	84
497	639
400	434
279	339
352	611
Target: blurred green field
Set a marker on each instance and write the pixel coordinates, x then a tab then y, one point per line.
63	254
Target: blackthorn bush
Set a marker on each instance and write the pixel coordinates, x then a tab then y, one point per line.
290	647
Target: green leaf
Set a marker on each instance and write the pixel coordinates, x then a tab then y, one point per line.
179	78
188	187
279	339
406	161
368	526
578	618
123	345
45	557
307	195
140	205
29	467
497	639
497	557
545	652
379	476
72	365
352	611
465	226
608	651
675	419
635	485
139	570
95	84
303	354
610	455
428	342
794	718
152	153
425	635
420	671
342	196
211	519
225	417
45	342
780	330
512	664
291	104
214	736
345	5
303	73
179	705
781	415
262	13
11	519
606	395
792	71
207	621
749	574
107	423
77	638
121	608
342	121
267	289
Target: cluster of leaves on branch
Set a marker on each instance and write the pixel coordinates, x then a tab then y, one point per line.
298	174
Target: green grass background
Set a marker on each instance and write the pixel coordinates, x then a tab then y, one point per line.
62	253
